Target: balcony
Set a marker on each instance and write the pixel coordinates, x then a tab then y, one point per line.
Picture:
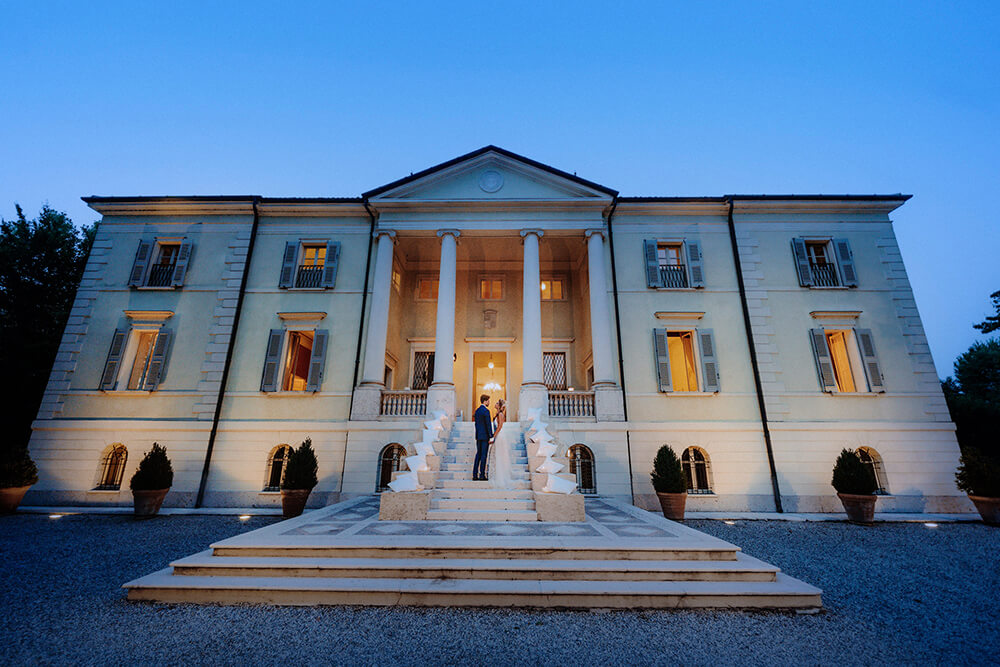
309	276
824	275
160	275
674	275
408	403
571	403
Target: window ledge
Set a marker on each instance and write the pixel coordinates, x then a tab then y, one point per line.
676	289
129	392
831	287
306	289
283	394
869	394
151	288
269	493
709	494
105	491
689	393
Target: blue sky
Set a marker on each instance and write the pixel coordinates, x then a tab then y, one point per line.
319	99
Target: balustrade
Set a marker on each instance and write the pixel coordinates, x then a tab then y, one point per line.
571	403
407	403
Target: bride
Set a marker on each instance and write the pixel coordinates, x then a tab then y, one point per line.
501	477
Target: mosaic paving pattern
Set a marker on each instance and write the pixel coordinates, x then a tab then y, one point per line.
341	519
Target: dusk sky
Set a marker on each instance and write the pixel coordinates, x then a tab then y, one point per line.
296	99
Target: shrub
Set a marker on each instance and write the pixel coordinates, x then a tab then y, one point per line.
978	474
154	471
852	475
17	469
301	467
667	475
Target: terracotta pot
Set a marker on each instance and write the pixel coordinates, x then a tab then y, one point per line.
293	501
11	497
672	505
989	509
147	503
859	508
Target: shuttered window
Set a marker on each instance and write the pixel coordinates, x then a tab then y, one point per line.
824	262
677	355
309	265
674	264
846	361
294	360
161	263
137	359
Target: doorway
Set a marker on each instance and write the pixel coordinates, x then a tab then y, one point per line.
489	376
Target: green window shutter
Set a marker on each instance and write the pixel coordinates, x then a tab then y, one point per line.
662	359
845	260
181	265
330	268
696	264
317	361
272	359
709	362
142	255
653	278
873	370
287	278
158	360
802	262
114	360
824	364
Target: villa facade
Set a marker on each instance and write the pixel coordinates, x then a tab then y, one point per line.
757	335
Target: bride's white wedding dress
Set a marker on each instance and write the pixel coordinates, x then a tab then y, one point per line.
500	477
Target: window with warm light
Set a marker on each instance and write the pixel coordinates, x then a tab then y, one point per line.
297	357
680	348
553	289
491	289
145	342
427	289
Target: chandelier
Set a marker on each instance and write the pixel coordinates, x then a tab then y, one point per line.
492	385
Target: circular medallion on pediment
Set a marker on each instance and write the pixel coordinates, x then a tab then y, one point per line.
490	180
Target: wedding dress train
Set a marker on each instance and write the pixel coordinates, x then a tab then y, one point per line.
501	459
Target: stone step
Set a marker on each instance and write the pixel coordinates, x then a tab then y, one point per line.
463	465
482	504
783	593
745	568
483	494
451	483
463	472
481	515
450	458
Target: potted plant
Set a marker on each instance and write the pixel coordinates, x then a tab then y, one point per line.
669	483
979	476
299	480
151	481
17	474
855	483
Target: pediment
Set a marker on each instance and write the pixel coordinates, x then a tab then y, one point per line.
491	174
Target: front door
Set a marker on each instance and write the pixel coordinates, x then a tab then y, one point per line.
489	377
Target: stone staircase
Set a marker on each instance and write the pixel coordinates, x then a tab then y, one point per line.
457	497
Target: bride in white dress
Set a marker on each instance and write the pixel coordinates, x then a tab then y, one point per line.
502	446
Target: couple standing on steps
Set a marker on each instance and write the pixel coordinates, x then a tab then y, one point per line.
486	435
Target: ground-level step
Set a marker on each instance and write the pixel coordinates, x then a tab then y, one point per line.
485	493
481	515
482	504
471	484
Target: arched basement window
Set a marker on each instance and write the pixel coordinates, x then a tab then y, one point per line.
389	461
870	457
695	463
581	464
276	461
113	468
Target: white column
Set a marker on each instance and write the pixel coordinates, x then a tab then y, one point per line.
600	314
531	315
444	333
378	316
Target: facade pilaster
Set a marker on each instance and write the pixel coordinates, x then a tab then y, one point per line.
368	396
441	393
533	394
607	395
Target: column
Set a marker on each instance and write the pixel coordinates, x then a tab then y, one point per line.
533	393
608	400
441	394
378	316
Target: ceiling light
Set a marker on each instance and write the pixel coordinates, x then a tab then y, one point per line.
489	365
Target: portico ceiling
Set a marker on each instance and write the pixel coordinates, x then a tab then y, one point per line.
500	249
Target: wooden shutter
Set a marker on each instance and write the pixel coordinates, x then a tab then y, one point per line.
330	267
709	362
158	360
845	260
272	359
662	360
181	265
114	360
317	361
824	364
653	278
696	264
287	278
802	262
872	368
142	255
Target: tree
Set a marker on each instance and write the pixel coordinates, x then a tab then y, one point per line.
992	322
973	397
41	263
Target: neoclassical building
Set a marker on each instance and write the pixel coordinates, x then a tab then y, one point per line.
758	335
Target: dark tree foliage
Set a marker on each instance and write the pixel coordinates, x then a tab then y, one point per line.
301	468
667	475
154	472
852	475
978	474
992	322
41	263
973	396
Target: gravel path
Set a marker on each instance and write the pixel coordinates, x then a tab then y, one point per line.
894	593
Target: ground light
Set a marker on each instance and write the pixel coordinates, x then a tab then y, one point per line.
55	516
931	525
244	517
729	523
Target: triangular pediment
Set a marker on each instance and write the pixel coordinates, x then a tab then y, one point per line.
491	174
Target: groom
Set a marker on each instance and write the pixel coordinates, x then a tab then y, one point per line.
484	431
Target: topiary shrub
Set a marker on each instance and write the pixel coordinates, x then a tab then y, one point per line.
852	475
17	469
978	474
301	467
154	471
667	475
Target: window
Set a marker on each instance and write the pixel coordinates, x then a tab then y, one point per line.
554	370
581	464
389	461
871	458
160	263
276	461
674	264
673	272
491	289
112	468
694	461
161	271
824	262
387	377
590	377
427	289
678	355
397	280
846	360
309	265
553	289
423	370
144	344
294	360
137	359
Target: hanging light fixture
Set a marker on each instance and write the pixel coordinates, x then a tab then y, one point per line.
492	385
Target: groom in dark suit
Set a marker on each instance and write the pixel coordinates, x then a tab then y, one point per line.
484	431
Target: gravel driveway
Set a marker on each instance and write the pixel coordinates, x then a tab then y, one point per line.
894	593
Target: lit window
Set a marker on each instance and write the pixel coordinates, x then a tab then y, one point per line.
694	461
553	289
683	373
397	280
840	355
297	357
313	255
276	467
491	289
427	289
145	342
112	468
